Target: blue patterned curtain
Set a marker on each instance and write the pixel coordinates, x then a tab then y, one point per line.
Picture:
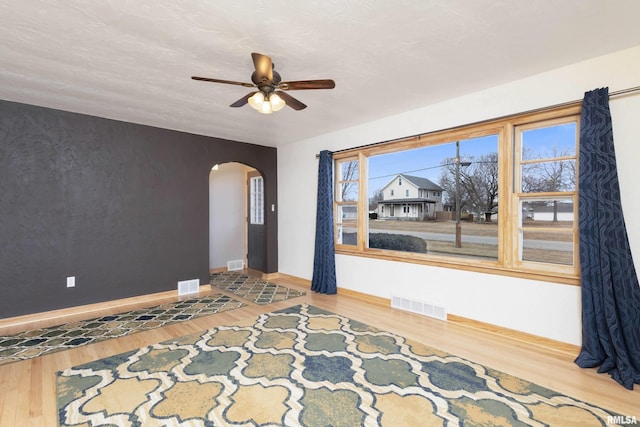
324	261
610	290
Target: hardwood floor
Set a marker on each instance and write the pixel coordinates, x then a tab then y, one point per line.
28	395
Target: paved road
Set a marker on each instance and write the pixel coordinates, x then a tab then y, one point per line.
485	240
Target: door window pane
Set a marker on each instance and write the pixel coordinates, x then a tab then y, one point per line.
256	200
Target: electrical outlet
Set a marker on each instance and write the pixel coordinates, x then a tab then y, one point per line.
71	282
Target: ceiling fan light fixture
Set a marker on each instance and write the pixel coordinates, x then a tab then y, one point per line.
257	100
266	103
277	103
266	108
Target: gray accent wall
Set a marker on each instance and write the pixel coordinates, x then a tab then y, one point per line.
122	207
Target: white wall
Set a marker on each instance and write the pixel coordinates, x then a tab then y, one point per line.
541	308
227	213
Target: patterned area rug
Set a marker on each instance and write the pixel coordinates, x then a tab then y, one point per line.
43	341
254	289
304	366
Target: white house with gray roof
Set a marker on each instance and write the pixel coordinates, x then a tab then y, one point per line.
410	197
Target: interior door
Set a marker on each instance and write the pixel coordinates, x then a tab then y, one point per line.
255	221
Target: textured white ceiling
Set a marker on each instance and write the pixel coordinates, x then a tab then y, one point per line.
132	60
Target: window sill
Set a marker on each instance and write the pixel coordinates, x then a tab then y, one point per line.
479	266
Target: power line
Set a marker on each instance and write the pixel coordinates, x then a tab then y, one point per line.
415	170
431	167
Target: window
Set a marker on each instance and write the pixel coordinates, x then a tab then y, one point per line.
256	200
498	197
346	200
545	191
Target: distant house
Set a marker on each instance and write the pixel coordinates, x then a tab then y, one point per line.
407	196
349	212
546	211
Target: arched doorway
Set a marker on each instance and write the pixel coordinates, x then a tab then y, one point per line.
234	238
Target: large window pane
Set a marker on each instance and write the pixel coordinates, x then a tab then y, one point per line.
418	198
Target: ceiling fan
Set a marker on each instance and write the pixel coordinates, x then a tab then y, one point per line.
270	95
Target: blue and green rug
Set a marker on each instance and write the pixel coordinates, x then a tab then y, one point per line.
303	366
254	289
42	341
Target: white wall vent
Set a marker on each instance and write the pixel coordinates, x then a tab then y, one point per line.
420	307
188	286
237	264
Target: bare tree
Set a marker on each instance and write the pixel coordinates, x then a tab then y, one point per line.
349	180
448	183
377	197
550	175
478	182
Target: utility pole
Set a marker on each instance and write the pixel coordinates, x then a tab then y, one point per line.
458	226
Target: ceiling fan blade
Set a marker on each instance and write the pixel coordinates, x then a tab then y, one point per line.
307	84
229	82
264	66
242	101
291	101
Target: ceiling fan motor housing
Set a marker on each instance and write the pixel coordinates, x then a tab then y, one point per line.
263	83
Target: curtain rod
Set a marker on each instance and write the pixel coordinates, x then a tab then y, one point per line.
535	110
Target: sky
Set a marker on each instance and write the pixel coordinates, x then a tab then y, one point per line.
545	140
426	162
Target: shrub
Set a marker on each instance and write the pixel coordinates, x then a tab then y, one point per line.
392	242
397	242
349	238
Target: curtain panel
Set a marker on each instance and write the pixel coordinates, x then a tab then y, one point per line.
324	261
610	290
